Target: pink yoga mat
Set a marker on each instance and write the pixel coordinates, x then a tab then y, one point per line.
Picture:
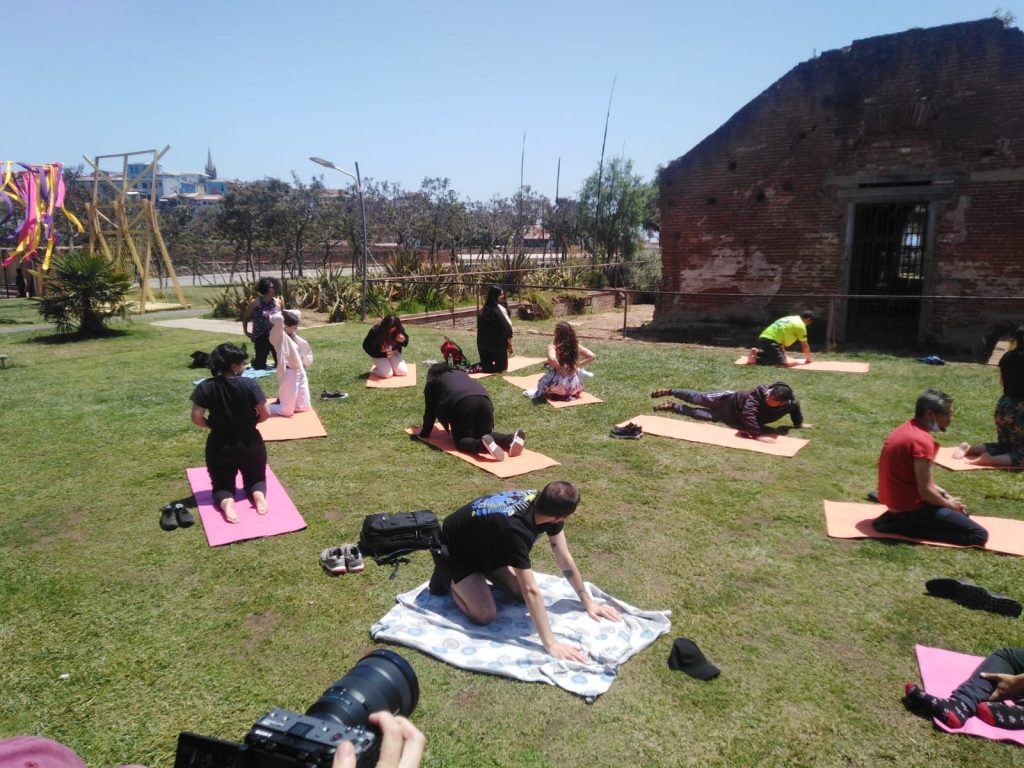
283	517
710	434
852	520
944	458
530	382
515	363
941	672
395	382
834	366
294	427
527	461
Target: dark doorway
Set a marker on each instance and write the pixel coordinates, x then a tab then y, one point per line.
887	262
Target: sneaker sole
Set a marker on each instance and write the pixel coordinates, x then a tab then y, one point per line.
334	571
356	568
973	596
625	437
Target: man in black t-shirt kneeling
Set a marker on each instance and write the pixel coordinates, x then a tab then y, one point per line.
490	539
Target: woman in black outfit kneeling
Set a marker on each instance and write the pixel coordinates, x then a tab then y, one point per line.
230	407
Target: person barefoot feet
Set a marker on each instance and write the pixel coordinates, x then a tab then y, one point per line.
260	502
228	508
961	451
752	357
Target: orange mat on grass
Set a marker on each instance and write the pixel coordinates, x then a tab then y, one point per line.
944	458
515	363
530	382
527	461
835	366
395	382
711	434
296	427
852	520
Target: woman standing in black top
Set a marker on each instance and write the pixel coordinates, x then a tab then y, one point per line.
494	333
231	407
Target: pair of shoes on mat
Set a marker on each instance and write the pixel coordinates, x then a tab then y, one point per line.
175	515
344	559
630	431
325	395
972	596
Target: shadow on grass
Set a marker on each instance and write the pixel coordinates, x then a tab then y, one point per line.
70	338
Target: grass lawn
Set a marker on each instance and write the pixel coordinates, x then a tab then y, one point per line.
116	635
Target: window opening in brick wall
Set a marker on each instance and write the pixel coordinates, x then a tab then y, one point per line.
887	262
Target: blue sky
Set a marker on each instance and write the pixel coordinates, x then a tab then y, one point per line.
411	89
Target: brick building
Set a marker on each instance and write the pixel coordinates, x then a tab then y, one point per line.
893	168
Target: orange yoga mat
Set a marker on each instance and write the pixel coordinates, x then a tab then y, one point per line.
295	427
527	461
395	382
530	382
835	366
853	520
711	434
944	458
515	363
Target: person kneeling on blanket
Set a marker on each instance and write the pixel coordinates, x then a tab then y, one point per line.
998	677
490	538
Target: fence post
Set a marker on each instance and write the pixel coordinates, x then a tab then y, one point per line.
625	312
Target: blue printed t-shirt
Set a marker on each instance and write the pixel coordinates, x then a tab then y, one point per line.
494	531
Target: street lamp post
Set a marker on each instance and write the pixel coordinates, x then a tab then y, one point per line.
362	215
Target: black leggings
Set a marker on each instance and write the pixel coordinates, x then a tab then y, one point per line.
261	348
471	419
771	352
229	454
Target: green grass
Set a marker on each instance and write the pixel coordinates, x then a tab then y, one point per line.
159	633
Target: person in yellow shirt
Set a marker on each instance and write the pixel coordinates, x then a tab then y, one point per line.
771	346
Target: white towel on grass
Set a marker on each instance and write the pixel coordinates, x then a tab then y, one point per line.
510	646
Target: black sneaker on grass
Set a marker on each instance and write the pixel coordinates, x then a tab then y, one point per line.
168	520
972	596
325	395
630	431
185	518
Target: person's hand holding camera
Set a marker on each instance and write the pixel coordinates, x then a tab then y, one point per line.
401	744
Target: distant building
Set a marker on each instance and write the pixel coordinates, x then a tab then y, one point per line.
892	168
203	188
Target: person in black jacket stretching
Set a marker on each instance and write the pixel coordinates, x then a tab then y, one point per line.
464	408
747	410
494	333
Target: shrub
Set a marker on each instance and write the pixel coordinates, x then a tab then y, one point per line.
230	302
83	291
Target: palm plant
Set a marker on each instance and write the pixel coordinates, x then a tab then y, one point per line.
83	291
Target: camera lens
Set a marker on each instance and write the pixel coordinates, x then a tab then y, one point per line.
380	680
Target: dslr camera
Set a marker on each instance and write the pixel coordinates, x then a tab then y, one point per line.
382	680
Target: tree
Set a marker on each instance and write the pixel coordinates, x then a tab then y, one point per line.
611	224
83	291
247	216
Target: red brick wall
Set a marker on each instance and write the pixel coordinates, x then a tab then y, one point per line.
761	206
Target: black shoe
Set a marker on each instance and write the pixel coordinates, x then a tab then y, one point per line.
441	580
630	431
325	395
185	518
168	521
972	596
873	496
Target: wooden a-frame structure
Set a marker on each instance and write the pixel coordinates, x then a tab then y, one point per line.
125	228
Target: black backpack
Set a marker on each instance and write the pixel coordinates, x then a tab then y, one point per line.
389	538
